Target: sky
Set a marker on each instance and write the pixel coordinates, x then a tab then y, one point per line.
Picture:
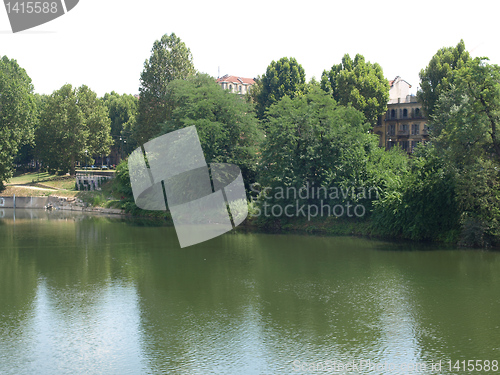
103	44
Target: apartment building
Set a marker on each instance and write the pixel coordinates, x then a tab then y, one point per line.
234	84
404	123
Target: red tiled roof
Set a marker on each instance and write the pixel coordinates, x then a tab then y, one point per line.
236	80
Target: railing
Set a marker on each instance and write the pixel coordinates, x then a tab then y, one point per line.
95	172
410	117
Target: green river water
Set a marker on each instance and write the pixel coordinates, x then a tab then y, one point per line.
86	294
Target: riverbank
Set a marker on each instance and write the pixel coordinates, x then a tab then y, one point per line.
59	193
54	202
116	198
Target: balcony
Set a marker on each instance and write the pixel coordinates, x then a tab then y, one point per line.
409	117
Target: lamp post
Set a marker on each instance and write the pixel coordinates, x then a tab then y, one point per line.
122	141
121	148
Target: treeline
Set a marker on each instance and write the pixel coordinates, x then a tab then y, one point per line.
73	126
59	131
302	146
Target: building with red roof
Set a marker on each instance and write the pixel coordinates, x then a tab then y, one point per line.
237	85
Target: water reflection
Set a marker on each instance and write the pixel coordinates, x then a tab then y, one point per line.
83	294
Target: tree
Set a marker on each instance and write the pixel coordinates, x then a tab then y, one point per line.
313	142
97	122
466	122
122	111
465	130
170	59
17	113
283	77
74	126
437	77
226	123
359	83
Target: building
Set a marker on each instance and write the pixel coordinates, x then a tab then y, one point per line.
237	85
404	123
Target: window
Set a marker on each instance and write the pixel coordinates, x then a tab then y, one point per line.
415	129
404	145
241	88
404	129
405	113
231	87
393	113
392	129
417	112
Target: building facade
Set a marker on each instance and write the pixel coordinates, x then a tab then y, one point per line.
404	123
236	85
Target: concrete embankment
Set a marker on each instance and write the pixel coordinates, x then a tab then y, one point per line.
52	202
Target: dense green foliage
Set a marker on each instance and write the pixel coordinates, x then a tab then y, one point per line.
17	114
74	126
319	153
283	77
467	122
360	84
122	111
437	77
226	124
452	190
170	59
465	132
421	205
311	139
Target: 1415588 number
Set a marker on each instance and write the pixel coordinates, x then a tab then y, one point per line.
31	7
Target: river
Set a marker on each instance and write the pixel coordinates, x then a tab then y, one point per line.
82	294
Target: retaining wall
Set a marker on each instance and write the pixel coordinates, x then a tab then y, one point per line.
24	202
56	202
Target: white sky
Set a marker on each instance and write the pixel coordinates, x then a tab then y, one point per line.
103	44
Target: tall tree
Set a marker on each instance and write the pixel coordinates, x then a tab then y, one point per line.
313	140
437	77
283	77
97	122
17	113
74	126
122	111
465	129
359	83
466	123
170	59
